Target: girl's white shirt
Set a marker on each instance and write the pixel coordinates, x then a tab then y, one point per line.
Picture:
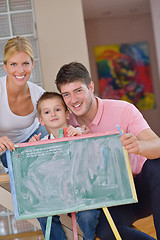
50	136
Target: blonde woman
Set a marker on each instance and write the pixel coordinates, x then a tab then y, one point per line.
18	96
18	113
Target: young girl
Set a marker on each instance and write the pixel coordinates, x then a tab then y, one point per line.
53	114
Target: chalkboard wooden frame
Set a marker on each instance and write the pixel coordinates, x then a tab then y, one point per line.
57	176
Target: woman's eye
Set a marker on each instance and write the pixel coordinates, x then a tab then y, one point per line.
13	64
26	63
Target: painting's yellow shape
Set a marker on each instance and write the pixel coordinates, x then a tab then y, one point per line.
101	51
147	102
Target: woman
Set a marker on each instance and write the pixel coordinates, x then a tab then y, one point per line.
18	113
18	97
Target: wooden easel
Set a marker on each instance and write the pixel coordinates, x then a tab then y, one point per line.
70	151
48	228
111	223
74	225
73	216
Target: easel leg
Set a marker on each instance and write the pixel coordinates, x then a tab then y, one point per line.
112	225
48	228
74	226
73	215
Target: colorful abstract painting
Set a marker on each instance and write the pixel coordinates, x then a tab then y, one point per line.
124	73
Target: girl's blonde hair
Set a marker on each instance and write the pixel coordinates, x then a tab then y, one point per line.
16	45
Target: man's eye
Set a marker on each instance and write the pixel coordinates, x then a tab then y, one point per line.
26	63
79	90
13	64
65	95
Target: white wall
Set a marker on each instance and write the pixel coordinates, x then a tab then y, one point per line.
61	35
62	39
126	30
155	13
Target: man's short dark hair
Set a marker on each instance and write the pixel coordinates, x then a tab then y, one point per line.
72	72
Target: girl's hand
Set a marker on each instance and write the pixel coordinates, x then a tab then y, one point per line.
71	131
5	143
85	129
35	138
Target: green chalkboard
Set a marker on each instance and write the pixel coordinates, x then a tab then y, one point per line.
68	175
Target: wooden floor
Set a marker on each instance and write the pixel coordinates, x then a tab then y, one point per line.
24	236
146	225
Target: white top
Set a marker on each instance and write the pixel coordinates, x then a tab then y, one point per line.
50	136
18	128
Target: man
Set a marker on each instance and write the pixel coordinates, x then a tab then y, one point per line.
142	144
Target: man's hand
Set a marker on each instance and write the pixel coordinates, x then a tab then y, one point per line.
131	143
146	144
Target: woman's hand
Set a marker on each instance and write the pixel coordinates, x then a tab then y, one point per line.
5	143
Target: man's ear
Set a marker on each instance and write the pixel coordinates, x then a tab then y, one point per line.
41	122
67	115
91	86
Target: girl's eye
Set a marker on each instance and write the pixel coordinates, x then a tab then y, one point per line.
58	109
26	63
13	64
46	112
